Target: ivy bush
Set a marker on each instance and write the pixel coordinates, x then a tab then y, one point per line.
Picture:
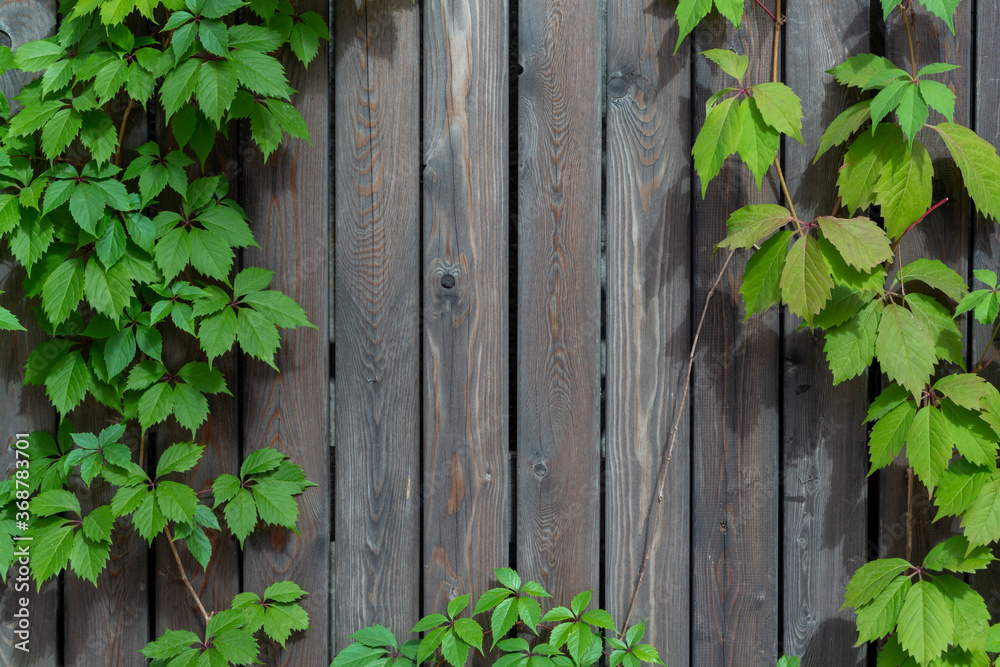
112	256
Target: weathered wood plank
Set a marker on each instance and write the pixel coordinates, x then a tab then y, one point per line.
287	200
824	462
735	405
377	315
466	511
109	623
944	235
217	584
559	295
649	320
23	409
986	233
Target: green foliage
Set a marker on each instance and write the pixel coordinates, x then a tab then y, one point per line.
838	275
562	636
112	254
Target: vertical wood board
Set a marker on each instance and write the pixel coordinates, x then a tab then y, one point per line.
824	461
559	296
466	511
287	200
23	409
377	317
649	320
735	403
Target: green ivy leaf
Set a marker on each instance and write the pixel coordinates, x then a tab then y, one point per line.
689	13
859	241
729	62
981	521
750	224
66	385
762	275
925	624
850	347
805	283
929	445
957	555
904	348
844	126
759	142
889	435
780	107
935	274
718	138
979	163
903	190
878	618
912	111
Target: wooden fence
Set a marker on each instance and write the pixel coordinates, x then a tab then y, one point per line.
521	260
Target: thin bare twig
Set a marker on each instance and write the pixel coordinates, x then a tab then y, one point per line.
184	577
665	466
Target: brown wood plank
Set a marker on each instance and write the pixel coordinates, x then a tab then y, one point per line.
986	233
649	319
466	511
735	404
944	235
377	316
287	200
109	624
824	463
217	584
23	409
559	296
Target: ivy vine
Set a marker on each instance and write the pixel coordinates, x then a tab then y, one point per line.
113	256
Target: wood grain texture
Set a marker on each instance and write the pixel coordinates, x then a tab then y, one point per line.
23	409
378	316
734	409
824	460
109	624
944	234
466	510
649	319
217	584
986	233
287	200
22	21
559	296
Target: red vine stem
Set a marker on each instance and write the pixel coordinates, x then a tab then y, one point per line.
652	524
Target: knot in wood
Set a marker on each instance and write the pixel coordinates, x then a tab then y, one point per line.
618	86
539	469
447	281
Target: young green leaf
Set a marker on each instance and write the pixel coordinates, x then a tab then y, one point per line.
780	108
805	283
905	349
925	622
729	62
762	274
752	223
718	138
979	163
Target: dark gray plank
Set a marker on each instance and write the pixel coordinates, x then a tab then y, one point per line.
287	200
986	233
649	319
735	405
377	316
466	511
944	235
559	295
23	409
824	462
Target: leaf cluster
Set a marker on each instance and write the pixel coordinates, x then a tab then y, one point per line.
562	636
